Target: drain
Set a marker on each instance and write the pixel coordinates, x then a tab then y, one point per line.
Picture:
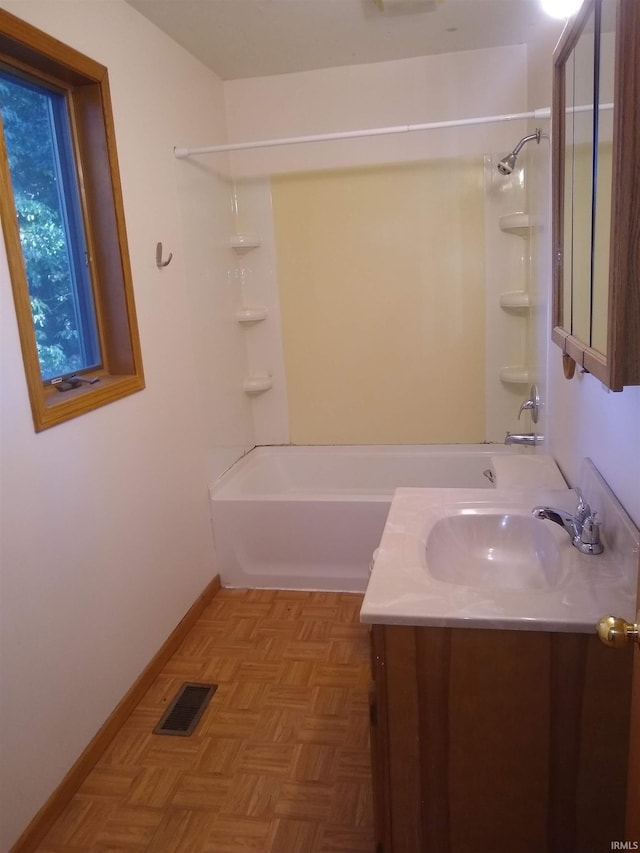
182	716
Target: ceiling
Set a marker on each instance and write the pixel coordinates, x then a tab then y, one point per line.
256	38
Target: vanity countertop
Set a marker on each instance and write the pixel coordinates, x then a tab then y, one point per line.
402	590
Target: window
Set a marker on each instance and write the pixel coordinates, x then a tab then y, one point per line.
45	190
63	225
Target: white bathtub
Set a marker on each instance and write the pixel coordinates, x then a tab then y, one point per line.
311	517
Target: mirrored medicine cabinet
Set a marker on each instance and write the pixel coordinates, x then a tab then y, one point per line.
596	191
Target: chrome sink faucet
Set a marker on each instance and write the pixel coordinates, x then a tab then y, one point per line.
583	528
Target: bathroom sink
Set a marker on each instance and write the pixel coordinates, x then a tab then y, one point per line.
478	558
494	550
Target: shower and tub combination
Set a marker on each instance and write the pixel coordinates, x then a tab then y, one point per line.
310	517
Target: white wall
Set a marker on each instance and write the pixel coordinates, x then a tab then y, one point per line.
590	421
582	419
105	531
383	94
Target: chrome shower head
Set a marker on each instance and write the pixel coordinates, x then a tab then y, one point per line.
508	163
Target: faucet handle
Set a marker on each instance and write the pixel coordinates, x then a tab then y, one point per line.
591	529
528	405
532	404
583	511
590	536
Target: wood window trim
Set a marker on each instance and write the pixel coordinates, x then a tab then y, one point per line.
86	84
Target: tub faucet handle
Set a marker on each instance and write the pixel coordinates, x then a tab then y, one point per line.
532	404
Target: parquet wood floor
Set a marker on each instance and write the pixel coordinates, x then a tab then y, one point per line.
279	763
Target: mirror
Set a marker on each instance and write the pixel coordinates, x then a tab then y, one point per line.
578	182
596	183
604	178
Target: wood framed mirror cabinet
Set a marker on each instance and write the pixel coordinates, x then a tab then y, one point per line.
596	191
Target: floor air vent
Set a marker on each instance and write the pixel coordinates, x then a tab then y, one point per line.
182	716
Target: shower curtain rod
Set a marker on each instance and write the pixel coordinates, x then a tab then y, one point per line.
542	113
181	153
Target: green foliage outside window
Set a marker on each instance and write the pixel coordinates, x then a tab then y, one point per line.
37	166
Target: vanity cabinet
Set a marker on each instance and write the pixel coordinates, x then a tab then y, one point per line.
494	740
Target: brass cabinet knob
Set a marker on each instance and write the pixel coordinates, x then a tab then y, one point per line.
616	632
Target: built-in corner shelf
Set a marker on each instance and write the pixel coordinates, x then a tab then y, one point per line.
515	375
515	223
515	300
257	383
247	316
244	242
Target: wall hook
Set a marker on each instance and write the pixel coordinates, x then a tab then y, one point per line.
159	262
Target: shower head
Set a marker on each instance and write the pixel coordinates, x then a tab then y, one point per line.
508	163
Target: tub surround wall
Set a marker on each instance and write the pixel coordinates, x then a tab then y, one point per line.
106	538
219	345
345	266
539	265
539	67
369	265
506	272
254	283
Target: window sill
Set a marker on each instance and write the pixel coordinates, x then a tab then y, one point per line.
59	406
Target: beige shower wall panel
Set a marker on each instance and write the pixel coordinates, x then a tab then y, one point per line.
381	283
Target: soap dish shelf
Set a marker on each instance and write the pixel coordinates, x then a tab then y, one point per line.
257	383
515	375
515	300
515	223
247	316
244	242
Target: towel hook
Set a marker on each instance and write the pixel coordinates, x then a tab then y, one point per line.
159	262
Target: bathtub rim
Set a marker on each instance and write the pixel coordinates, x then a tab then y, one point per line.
228	486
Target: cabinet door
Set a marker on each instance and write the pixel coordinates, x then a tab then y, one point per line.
379	742
411	686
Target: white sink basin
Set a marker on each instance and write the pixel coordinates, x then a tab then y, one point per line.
494	550
477	558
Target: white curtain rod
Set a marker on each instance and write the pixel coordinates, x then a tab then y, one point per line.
181	153
542	113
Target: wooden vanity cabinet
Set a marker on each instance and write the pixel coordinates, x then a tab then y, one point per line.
487	741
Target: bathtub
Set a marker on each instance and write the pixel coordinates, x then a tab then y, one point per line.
311	517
